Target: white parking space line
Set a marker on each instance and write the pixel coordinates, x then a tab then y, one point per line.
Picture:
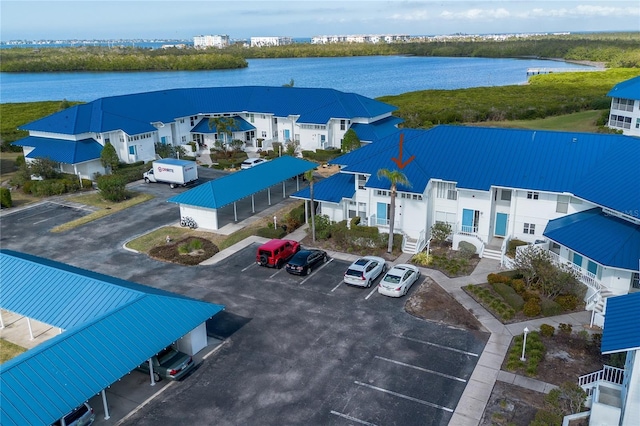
375	288
438	346
323	265
43	220
353	419
275	273
415	367
336	287
399	395
252	264
38	213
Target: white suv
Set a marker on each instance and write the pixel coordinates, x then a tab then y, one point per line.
252	162
364	271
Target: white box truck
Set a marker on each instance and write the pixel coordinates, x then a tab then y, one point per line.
172	171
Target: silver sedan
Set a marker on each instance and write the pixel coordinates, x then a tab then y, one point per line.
398	280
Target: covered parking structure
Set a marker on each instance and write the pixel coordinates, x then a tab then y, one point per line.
204	202
108	327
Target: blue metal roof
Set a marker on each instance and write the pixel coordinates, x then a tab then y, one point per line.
240	125
331	190
621	332
228	189
61	150
377	130
601	168
134	113
603	238
120	325
628	89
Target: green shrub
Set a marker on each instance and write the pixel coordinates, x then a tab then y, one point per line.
132	173
355	220
295	218
550	308
568	302
509	295
528	295
112	187
546	418
518	286
5	198
497	278
565	328
547	330
466	250
271	232
87	184
532	308
513	244
27	186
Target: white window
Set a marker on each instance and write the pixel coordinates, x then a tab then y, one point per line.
252	118
184	139
533	195
362	180
446	190
343	124
635	280
529	228
505	195
264	133
622	104
445	217
620	121
382	193
562	205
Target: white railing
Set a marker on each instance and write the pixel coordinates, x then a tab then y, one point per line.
376	221
588	382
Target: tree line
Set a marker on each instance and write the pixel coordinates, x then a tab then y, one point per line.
616	50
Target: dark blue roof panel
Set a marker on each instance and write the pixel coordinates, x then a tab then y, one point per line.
603	238
377	130
228	189
134	113
628	89
123	324
61	150
584	164
621	332
331	190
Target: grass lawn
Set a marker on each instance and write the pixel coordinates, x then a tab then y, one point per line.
107	208
9	350
584	121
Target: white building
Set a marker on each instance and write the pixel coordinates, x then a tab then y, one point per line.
625	107
204	41
360	38
270	41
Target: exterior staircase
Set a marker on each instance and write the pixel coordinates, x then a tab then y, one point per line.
608	375
492	254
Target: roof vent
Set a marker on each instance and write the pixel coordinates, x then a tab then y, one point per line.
574	140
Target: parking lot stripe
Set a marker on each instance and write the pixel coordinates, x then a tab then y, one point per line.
275	273
323	265
375	288
353	419
415	367
399	395
438	346
336	287
252	264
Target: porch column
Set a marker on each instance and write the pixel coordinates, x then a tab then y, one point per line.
30	330
1	321
105	405
284	189
269	194
297	182
306	212
253	204
153	380
235	211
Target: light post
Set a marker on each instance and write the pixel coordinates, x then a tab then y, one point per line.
275	223
524	344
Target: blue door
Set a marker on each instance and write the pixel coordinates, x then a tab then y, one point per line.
287	135
381	214
501	224
467	220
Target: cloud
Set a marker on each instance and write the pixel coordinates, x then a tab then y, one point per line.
477	14
418	15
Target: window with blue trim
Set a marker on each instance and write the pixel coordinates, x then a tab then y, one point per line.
132	150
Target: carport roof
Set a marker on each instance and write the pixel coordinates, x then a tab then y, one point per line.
112	326
62	150
621	332
331	190
221	192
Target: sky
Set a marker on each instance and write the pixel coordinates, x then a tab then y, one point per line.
161	19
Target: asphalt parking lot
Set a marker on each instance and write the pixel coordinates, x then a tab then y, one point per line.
306	350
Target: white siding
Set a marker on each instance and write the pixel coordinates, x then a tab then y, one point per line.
205	218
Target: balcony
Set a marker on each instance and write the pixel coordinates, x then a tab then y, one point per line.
604	394
378	221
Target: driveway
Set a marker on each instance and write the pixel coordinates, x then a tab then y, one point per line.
312	350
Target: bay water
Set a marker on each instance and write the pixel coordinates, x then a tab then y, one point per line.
371	76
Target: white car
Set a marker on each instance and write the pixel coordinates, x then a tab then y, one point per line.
398	280
364	271
252	162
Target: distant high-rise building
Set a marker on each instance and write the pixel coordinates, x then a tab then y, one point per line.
204	41
270	41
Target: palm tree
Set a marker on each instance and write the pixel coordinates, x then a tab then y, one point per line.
308	175
395	177
223	125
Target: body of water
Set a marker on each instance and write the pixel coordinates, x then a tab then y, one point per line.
370	76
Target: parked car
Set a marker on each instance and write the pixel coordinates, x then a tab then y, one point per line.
275	253
252	162
80	416
303	262
169	363
398	280
364	271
